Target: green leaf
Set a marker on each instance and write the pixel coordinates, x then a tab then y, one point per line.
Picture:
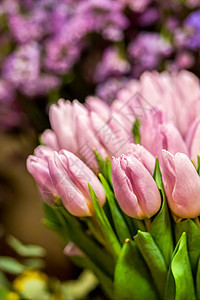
104	167
153	258
161	225
136	131
109	235
180	283
25	250
198	281
157	175
86	244
193	240
162	233
198	168
11	265
132	278
121	227
55	221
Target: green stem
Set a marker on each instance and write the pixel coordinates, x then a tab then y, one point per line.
147	223
197	222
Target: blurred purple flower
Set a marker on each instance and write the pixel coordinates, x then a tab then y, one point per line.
22	65
109	89
147	50
112	64
193	24
148	17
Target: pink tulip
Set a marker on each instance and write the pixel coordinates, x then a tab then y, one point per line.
63	118
113	135
37	165
71	177
149	130
88	140
143	155
182	185
157	134
193	140
71	250
98	106
49	139
134	187
172	139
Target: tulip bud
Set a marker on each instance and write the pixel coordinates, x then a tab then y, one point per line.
49	139
143	155
134	187
182	185
87	139
71	250
193	140
156	134
98	106
71	177
37	165
149	130
113	135
63	118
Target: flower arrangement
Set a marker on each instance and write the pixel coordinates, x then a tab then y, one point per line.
121	186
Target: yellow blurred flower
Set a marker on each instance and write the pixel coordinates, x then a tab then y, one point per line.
22	280
13	296
32	285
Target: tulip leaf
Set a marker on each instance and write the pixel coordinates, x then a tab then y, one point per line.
71	229
121	227
136	131
162	233
198	167
180	283
104	167
54	221
157	175
153	258
109	235
198	281
193	240
132	277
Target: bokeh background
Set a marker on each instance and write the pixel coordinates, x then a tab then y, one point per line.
51	49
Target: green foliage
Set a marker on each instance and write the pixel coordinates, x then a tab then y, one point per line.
193	240
110	238
104	167
198	281
132	277
136	131
121	227
153	258
180	283
161	230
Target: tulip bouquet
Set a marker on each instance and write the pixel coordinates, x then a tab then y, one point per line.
121	186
